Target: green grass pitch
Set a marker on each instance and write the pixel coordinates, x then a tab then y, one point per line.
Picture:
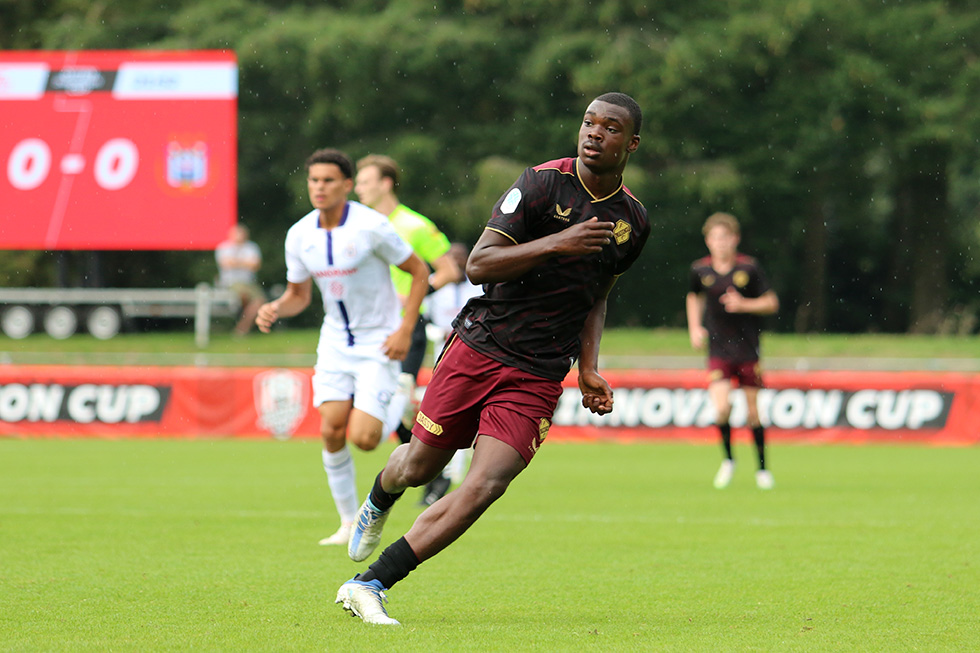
137	545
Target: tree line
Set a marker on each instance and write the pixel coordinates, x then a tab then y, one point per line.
842	133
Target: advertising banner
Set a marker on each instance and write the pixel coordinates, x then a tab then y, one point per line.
206	402
846	406
110	150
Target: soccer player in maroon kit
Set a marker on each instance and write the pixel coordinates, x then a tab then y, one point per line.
727	296
550	254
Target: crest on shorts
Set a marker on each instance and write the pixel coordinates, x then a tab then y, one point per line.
622	231
740	278
543	427
281	401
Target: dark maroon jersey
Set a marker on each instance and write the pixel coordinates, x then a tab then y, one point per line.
533	322
732	336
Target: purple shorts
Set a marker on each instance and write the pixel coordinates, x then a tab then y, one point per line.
748	373
470	394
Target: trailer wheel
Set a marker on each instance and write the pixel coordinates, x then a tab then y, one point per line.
60	322
17	322
104	322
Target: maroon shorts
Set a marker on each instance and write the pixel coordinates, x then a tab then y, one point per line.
470	394
748	373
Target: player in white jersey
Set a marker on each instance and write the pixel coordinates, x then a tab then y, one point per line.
348	249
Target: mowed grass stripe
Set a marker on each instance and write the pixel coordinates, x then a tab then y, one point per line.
211	545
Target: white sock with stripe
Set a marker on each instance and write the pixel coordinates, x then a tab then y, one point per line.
339	467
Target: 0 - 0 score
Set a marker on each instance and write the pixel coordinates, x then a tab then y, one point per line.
30	161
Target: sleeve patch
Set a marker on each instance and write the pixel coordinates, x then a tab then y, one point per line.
509	205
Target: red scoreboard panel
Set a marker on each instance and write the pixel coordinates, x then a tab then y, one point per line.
108	150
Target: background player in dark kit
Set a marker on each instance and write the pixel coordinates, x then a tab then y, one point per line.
728	294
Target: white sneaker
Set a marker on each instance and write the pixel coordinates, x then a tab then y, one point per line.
764	480
366	533
725	473
340	537
365	600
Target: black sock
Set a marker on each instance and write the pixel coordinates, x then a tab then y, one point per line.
404	434
381	499
759	435
394	563
726	439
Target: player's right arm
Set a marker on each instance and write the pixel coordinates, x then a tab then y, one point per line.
293	301
496	257
695	319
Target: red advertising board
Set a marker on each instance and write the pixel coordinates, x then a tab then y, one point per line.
815	406
193	402
109	150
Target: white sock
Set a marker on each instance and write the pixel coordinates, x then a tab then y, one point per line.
399	402
339	467
395	411
458	465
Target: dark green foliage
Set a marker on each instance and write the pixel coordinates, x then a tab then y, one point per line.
841	132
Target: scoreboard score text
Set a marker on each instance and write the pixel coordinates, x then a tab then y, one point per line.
109	150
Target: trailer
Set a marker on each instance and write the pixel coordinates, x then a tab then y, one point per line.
60	311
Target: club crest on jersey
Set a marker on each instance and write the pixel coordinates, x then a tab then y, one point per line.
740	278
562	215
622	231
708	280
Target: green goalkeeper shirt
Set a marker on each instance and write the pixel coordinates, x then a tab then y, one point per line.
423	237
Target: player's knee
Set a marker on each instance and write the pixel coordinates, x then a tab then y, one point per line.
410	467
418	473
483	491
333	438
365	440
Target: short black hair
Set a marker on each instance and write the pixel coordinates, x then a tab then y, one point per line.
336	157
628	103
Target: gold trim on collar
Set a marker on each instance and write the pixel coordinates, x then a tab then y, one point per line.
594	198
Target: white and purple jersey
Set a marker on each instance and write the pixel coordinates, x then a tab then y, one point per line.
351	265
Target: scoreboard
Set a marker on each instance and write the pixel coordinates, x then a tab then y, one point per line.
112	150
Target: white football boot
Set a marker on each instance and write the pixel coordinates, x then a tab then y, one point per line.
725	473
365	600
764	480
366	533
341	537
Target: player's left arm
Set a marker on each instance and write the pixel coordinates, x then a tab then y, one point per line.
597	395
397	344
